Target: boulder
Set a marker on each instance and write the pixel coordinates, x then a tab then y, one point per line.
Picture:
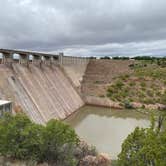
104	159
100	160
161	106
136	105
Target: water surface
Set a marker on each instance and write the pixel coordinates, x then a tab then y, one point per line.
106	128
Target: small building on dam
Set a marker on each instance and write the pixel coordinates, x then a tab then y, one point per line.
5	107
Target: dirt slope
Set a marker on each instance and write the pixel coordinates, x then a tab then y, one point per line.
100	73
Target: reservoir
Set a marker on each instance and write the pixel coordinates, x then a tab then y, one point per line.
106	128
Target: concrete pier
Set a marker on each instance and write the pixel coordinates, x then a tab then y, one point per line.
24	59
5	107
7	58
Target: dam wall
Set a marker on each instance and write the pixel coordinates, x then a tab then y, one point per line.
40	87
43	94
75	68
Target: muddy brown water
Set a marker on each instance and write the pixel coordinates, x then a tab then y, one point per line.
106	128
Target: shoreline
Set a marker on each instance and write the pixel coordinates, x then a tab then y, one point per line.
106	102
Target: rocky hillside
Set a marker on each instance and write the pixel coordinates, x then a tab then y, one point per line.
146	84
116	83
100	73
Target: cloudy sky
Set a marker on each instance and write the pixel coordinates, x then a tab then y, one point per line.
85	27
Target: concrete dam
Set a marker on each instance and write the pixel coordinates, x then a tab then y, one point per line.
47	86
41	85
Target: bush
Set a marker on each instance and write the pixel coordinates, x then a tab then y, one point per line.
143	84
124	77
58	135
120	58
119	84
132	83
144	58
110	92
132	66
128	105
22	139
141	95
150	93
105	57
144	147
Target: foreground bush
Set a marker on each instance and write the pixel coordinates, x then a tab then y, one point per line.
145	147
59	142
22	139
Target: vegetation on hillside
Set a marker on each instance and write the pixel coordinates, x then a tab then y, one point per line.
146	84
145	147
149	58
55	143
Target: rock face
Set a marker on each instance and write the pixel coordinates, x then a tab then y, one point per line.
100	160
42	93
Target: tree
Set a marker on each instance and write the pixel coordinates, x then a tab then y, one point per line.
19	137
59	142
22	139
144	147
105	57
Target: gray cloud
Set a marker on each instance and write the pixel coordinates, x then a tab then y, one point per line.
89	27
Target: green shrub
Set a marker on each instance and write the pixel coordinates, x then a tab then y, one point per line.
158	93
143	84
110	91
132	83
105	57
143	89
123	94
57	135
150	93
144	147
22	139
124	77
128	105
119	84
132	65
97	82
141	94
